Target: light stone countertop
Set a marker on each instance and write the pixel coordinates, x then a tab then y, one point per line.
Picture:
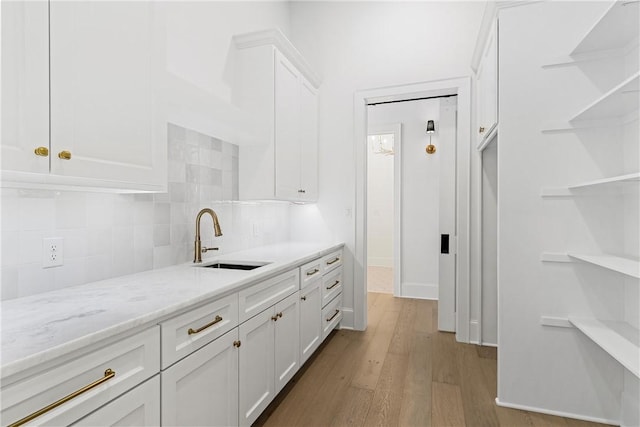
40	328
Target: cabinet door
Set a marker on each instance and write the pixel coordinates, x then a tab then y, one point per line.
256	385
138	407
287	340
287	139
488	86
25	85
310	321
107	62
202	389
308	141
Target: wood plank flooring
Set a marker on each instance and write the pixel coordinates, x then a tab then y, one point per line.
400	372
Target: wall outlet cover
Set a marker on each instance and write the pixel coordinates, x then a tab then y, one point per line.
52	252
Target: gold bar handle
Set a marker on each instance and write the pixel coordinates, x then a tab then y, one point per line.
108	374
333	261
312	272
334	285
334	315
218	319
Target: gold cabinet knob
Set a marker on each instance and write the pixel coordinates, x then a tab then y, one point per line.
41	151
237	344
481	130
65	155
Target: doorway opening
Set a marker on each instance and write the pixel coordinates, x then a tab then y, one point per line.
453	297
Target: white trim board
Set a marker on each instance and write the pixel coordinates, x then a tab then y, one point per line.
420	290
556	413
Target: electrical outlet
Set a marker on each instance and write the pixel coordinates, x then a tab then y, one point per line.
52	252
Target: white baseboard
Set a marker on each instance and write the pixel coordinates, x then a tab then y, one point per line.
556	413
474	332
489	344
347	321
419	290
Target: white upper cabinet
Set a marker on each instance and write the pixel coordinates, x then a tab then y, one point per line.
87	90
487	86
275	87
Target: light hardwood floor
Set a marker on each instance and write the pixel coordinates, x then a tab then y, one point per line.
400	372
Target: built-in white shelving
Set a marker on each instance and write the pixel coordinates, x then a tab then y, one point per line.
622	265
616	29
619	339
620	101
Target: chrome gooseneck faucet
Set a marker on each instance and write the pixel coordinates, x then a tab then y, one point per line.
198	249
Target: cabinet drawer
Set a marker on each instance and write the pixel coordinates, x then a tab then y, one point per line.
137	407
255	299
332	261
84	383
331	316
310	272
184	334
331	285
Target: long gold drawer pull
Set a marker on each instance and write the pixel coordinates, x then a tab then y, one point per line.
334	315
333	261
312	272
108	374
218	319
334	285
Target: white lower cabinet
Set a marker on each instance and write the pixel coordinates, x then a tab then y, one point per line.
310	325
138	407
257	365
202	389
287	340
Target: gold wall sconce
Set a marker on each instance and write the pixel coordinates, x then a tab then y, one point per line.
431	129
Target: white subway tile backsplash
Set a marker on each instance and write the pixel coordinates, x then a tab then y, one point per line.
108	235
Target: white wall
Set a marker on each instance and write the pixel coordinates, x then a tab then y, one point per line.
489	296
361	45
420	172
380	182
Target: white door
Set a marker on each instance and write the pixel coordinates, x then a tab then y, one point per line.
202	389
447	216
287	93
287	340
137	407
310	322
308	141
25	85
256	386
107	60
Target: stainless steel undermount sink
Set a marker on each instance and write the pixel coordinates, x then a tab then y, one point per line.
231	265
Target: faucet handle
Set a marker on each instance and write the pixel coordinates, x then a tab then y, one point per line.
205	249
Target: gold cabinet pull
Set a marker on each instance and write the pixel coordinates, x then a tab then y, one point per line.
237	344
64	155
108	374
303	298
337	282
312	272
481	130
41	151
274	318
334	315
202	328
333	261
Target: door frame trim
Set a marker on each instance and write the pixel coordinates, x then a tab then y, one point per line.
462	87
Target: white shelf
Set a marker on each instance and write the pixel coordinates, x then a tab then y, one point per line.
619	102
614	182
617	28
622	265
619	339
